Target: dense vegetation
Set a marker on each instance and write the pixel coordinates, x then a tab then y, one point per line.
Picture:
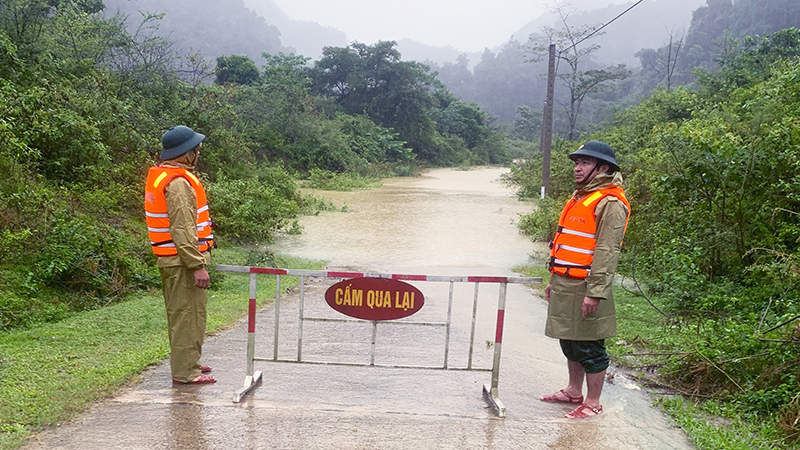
712	174
85	103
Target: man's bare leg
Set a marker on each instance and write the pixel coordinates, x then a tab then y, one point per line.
591	406
576	375
573	393
594	387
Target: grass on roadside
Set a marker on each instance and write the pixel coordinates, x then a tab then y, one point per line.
52	372
713	425
646	341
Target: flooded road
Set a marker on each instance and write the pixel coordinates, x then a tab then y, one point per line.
447	222
445	218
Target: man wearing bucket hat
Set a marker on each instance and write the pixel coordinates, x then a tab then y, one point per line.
180	231
583	259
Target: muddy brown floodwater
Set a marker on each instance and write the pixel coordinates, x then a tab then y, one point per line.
446	222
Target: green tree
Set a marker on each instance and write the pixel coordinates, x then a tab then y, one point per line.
393	93
236	69
751	60
465	120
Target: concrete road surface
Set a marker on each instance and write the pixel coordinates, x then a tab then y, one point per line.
305	406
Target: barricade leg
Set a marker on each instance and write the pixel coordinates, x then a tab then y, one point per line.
374	340
277	317
447	326
252	378
491	390
472	329
300	319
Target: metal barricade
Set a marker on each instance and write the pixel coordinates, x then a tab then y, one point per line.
253	377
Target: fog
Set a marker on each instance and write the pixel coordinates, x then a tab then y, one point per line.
466	25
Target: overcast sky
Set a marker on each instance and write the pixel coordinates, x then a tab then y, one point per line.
468	25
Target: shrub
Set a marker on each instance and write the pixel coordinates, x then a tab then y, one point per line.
251	210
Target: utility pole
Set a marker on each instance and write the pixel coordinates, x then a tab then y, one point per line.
547	122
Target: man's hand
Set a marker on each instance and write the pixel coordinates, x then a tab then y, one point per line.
201	278
589	305
547	290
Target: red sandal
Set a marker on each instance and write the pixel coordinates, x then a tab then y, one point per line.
584	411
554	398
202	379
204	368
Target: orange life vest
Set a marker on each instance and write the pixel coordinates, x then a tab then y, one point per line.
572	248
157	216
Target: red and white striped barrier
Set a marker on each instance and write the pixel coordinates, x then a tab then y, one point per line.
253	376
393	276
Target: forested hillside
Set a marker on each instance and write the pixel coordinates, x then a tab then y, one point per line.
224	27
85	103
510	82
207	28
647	25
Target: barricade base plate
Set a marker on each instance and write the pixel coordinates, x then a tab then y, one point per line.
249	383
493	400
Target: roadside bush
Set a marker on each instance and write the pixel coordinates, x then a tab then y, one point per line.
249	210
17	311
540	224
372	142
453	151
97	262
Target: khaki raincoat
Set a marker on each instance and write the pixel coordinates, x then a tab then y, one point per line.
564	316
185	303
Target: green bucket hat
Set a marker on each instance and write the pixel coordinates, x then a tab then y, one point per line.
179	140
599	150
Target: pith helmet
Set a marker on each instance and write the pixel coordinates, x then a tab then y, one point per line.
179	140
599	150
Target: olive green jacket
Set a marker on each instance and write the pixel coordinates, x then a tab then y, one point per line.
564	312
182	210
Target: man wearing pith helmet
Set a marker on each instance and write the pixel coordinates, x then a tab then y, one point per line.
583	259
180	230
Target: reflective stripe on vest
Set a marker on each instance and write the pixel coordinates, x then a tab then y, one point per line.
572	248
157	216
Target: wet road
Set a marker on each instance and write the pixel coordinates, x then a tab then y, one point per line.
464	227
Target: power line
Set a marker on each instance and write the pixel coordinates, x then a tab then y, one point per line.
604	25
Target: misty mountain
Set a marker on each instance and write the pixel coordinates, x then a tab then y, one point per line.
432	54
228	27
648	25
250	27
303	37
212	27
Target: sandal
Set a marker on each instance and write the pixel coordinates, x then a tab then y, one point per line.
204	368
584	411
202	379
554	398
